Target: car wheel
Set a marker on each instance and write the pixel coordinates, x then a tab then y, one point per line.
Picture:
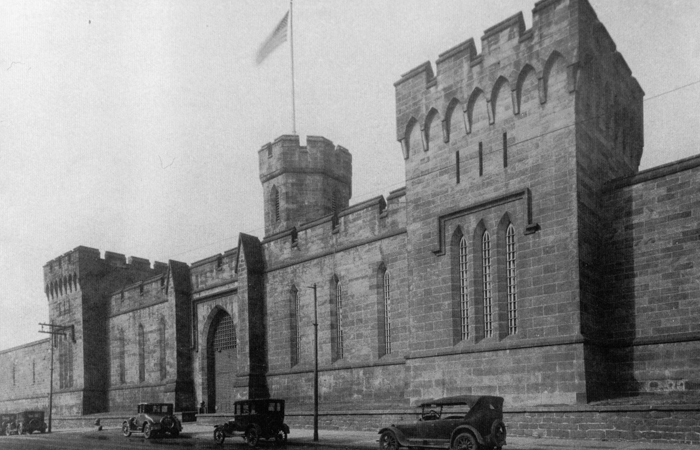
219	436
465	441
280	437
147	431
126	429
388	441
252	437
498	433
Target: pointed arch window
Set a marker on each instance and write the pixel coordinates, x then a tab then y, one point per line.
463	294
161	349
337	318
387	312
511	278
487	283
65	363
121	354
295	337
142	354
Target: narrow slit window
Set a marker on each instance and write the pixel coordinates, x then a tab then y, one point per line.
481	159
457	166
505	149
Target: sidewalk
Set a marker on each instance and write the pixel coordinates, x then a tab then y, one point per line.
368	440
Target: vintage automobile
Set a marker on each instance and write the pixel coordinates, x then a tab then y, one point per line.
8	423
255	420
152	419
464	422
25	422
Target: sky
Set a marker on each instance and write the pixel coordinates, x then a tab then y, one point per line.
133	126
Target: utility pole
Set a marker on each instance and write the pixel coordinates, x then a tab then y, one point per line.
53	330
315	365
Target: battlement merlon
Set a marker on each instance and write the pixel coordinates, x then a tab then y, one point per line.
319	155
559	27
69	262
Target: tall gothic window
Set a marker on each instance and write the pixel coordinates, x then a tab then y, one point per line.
121	354
463	296
65	363
487	288
142	354
336	308
161	349
510	274
295	336
387	312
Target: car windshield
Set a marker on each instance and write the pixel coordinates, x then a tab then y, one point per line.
435	412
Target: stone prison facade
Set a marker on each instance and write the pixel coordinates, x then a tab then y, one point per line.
526	257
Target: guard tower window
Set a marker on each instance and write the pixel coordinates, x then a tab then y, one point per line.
275	200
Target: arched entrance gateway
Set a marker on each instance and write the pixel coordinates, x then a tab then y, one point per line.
221	363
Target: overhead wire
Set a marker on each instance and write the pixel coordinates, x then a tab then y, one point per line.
448	166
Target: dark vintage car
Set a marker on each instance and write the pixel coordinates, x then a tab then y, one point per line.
8	423
464	422
25	422
152	419
255	420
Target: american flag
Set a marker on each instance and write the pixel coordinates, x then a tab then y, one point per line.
274	40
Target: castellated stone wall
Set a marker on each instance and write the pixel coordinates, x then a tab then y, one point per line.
347	261
653	237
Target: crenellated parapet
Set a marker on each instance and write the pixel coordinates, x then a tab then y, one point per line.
303	182
468	86
64	274
319	155
214	271
366	222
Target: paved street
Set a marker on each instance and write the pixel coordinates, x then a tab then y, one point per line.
200	437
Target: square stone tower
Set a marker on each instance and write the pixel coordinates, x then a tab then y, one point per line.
506	154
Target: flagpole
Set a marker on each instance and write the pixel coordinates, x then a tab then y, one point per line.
291	46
